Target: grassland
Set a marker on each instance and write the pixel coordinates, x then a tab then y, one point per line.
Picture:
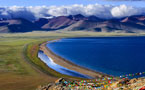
16	73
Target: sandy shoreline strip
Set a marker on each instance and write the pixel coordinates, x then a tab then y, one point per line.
67	64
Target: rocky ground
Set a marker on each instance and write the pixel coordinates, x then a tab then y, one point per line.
122	84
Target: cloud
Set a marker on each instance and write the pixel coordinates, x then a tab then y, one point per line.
102	11
123	10
16	12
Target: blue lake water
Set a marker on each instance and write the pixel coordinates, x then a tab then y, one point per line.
111	55
47	60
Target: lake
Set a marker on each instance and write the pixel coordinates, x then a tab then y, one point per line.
111	55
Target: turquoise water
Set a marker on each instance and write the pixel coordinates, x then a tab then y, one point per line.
111	55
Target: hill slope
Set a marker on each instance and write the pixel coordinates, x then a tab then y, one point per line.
75	22
17	25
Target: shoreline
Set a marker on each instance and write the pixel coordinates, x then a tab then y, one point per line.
68	64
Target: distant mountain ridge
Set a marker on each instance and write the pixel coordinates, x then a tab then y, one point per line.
17	25
74	22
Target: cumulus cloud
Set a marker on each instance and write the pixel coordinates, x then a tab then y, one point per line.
102	11
16	12
123	10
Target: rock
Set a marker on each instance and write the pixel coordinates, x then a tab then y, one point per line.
133	80
126	84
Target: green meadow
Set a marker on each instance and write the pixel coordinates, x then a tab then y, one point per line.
20	69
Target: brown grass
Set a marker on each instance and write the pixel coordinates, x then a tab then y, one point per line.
11	81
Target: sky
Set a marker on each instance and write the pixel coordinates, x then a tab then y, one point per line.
35	9
67	2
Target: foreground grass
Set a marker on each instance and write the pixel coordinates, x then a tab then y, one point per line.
15	72
18	74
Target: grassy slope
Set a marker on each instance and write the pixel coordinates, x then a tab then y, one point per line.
15	72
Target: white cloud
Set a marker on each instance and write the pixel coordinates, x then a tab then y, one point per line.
123	10
102	11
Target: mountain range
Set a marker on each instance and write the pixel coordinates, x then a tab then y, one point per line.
130	24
